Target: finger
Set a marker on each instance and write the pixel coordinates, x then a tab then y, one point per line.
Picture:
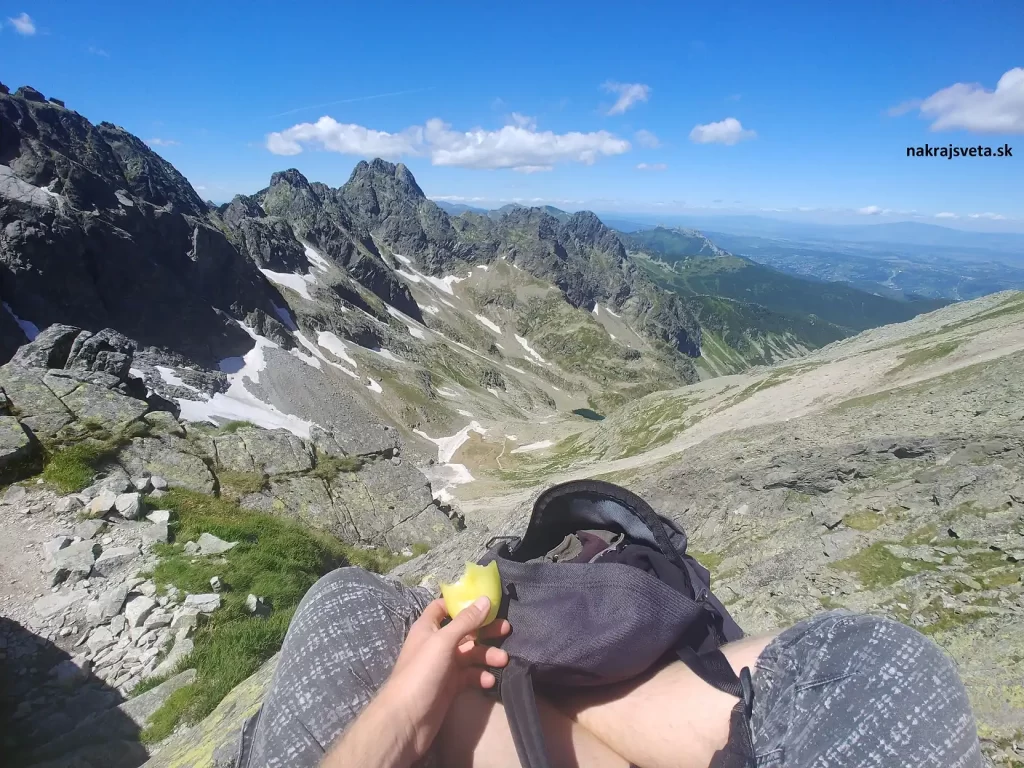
469	619
478	678
495	630
484	656
433	614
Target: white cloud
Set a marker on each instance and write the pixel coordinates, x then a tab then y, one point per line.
987	215
729	131
646	139
97	51
651	166
519	147
23	24
158	142
523	121
346	138
458	198
869	210
946	215
629	94
970	107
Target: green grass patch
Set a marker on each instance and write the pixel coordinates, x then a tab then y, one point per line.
78	452
239	484
1004	579
329	467
947	619
710	560
924	535
275	558
926	355
869	520
149	683
877	567
864	520
229	428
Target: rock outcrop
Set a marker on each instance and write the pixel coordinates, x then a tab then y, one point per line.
70	386
101	232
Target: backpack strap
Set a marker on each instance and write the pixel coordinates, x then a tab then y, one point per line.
714	669
520	702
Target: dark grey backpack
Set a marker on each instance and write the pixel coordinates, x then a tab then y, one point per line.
611	619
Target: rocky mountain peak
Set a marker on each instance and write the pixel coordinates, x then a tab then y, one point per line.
393	179
28	93
240	207
149	176
292	177
588	228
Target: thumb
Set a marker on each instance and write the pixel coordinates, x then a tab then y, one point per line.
470	618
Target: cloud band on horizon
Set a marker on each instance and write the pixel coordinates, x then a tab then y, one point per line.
520	146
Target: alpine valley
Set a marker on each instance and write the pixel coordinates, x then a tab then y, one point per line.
315	375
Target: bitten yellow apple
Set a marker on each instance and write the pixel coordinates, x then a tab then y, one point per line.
476	581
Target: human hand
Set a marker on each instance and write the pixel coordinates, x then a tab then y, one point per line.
436	663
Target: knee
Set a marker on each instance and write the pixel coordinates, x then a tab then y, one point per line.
870	643
348	581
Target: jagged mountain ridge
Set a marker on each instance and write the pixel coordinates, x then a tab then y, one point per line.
99	231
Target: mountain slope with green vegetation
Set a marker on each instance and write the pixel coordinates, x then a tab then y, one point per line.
691	272
751	314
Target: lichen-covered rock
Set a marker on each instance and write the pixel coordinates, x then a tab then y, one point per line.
213	742
307	499
106	351
162	422
50	349
170	458
113	410
18	449
271	452
37	407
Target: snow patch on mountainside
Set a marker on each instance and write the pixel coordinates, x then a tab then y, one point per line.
170	377
415	276
373	386
530	350
539	446
387	354
489	324
316	260
286	317
444	474
318	356
29	329
447	446
298	283
335	346
237	403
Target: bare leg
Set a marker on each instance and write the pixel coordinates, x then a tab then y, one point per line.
476	733
668	719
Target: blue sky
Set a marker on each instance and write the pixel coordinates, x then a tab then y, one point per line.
752	106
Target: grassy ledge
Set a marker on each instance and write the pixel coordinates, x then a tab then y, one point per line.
77	453
275	558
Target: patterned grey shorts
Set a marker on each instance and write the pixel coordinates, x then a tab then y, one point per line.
835	690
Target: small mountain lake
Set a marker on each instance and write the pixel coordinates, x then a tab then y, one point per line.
586	413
